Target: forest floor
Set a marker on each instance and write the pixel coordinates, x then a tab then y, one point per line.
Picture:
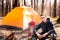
57	29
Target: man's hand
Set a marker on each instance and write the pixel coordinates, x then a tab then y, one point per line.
39	35
44	35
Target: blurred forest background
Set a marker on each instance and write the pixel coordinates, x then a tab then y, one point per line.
48	7
51	8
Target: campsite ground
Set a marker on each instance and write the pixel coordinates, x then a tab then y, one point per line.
57	28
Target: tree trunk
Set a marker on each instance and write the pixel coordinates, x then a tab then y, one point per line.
54	9
2	7
50	7
6	7
24	3
32	3
42	8
59	8
58	20
15	4
9	5
35	5
18	3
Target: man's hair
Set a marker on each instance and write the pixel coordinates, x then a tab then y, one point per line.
48	18
41	15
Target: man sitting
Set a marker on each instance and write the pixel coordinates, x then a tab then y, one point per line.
47	29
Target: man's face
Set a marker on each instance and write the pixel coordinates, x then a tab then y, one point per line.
43	18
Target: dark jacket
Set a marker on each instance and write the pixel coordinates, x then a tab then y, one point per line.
46	27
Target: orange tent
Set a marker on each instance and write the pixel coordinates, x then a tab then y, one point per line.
20	17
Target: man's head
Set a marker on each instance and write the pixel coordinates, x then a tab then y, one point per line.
43	18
